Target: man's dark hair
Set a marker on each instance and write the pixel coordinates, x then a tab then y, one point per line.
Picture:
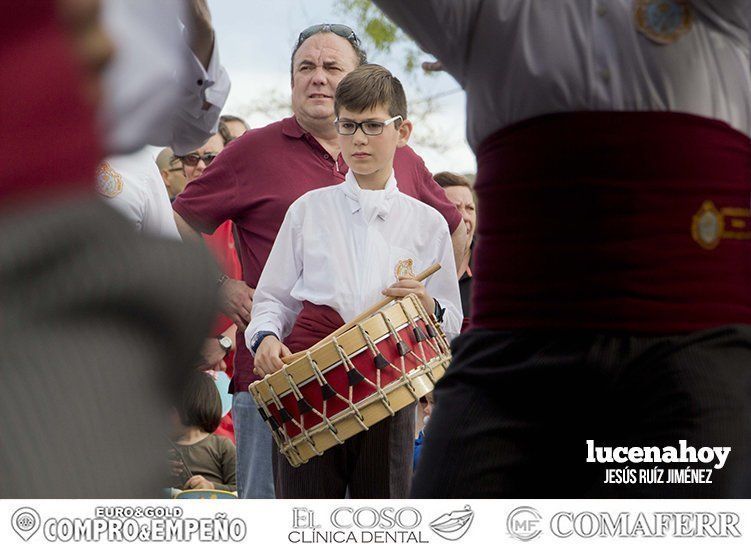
200	404
362	57
368	87
223	131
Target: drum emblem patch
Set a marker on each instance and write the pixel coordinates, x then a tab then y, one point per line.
108	182
404	269
663	21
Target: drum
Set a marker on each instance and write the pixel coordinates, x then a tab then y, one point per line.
343	386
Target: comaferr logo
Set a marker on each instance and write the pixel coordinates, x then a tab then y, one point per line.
641	524
454	525
524	523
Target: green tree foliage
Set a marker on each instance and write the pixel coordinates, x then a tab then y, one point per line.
380	34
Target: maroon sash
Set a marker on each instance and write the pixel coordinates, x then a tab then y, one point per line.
314	323
608	221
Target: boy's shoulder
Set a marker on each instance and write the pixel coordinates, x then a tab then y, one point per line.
426	211
313	197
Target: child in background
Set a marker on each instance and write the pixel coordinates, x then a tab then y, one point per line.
209	458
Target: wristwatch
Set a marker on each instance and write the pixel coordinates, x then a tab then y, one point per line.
258	337
225	342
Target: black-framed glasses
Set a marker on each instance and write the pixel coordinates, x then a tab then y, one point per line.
340	30
192	159
345	127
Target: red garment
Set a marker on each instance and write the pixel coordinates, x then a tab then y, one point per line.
47	125
258	176
591	218
222	246
226	427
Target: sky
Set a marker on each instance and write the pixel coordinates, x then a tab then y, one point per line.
255	39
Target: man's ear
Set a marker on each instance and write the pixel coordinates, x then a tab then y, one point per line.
405	131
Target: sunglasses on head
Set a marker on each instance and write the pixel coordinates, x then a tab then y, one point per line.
192	159
340	30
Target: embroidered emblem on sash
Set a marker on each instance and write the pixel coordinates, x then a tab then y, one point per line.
404	269
108	182
663	21
709	225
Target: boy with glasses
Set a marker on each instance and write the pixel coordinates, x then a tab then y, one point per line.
338	252
253	183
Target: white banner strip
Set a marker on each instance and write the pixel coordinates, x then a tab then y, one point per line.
374	522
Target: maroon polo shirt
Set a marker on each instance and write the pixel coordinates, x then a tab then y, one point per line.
256	178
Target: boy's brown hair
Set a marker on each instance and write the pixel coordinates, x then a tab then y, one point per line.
200	405
370	86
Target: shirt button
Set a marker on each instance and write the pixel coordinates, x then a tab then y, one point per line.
326	156
199	82
601	10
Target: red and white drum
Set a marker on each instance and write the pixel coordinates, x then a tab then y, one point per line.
356	379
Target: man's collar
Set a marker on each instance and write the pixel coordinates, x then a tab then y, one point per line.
291	128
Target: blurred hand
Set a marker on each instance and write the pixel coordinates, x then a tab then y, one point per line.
212	356
197	21
199	482
269	356
405	287
236	301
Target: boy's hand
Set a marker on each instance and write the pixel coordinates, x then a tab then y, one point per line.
199	482
405	287
269	356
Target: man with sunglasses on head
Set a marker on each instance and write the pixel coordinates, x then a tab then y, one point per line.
254	182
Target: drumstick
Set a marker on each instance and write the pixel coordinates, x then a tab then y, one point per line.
367	313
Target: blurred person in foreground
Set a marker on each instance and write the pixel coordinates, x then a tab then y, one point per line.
611	298
255	180
148	35
93	337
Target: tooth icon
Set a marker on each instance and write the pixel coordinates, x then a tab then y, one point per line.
454	525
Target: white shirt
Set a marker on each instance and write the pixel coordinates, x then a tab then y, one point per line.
339	247
155	86
519	59
133	185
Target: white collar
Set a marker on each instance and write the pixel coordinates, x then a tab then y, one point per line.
357	197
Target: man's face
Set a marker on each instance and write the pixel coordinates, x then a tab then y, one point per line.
461	197
214	146
174	177
319	65
370	156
